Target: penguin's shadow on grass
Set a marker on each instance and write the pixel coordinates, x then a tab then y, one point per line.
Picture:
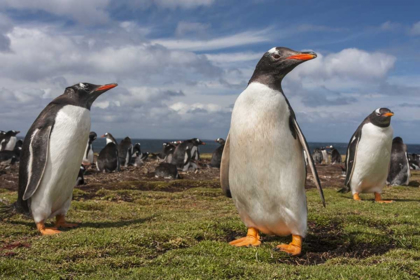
327	242
117	224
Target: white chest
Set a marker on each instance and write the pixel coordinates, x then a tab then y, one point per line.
67	146
372	158
266	165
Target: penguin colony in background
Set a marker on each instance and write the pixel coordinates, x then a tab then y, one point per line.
269	198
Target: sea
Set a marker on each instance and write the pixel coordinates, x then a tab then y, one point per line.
155	145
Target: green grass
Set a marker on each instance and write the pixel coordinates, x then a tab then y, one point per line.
169	233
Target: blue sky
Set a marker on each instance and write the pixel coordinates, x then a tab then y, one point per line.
181	64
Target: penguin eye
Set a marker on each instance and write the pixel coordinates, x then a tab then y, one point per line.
276	56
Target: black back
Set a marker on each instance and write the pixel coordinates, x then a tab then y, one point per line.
216	157
335	156
167	170
108	159
125	150
399	167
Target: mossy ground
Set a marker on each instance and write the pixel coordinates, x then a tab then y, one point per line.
181	230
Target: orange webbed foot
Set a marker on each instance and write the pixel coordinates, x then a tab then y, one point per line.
294	248
61	222
46	231
251	239
357	197
379	199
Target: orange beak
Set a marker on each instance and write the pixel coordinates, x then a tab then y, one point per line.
389	114
303	56
103	136
106	87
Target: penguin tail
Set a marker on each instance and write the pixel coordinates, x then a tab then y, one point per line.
8	210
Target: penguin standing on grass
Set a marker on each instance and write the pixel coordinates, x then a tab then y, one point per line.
399	170
89	154
51	157
125	151
335	155
369	154
263	166
216	158
108	159
9	140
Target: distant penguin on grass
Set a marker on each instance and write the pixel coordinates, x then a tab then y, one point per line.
216	157
108	159
167	171
125	151
335	155
317	156
181	156
136	156
325	157
9	140
80	177
369	155
51	157
399	170
89	154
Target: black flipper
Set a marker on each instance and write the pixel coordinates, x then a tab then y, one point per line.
351	157
38	158
310	160
224	169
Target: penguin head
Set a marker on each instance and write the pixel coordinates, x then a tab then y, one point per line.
84	94
197	141
137	148
12	133
92	136
221	141
397	140
381	117
109	137
277	62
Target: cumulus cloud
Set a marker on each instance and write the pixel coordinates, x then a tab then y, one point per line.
239	39
415	29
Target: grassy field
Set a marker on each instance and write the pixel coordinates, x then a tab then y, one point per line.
180	231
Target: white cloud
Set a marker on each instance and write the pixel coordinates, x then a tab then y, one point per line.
191	28
239	39
415	29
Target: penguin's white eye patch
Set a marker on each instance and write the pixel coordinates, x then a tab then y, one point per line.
82	85
378	111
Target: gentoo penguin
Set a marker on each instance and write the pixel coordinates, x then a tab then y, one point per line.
263	167
167	152
125	150
108	159
52	153
10	157
167	171
335	155
216	158
89	154
136	155
80	177
369	154
399	170
325	155
180	153
414	161
317	156
144	156
9	140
